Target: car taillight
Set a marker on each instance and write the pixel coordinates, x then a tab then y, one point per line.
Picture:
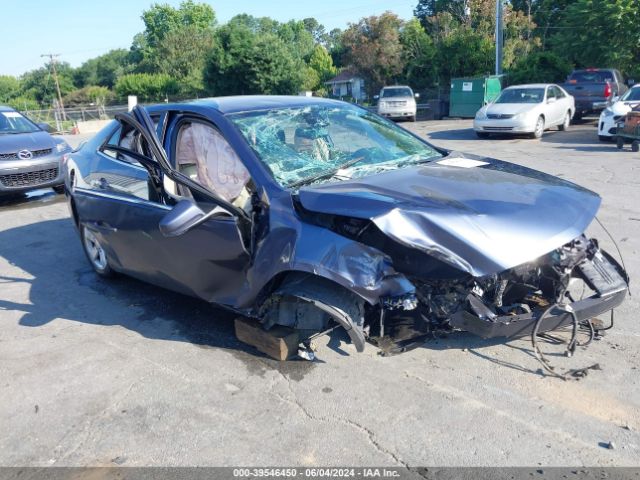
607	90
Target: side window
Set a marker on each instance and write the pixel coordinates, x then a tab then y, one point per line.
559	92
205	156
551	93
127	137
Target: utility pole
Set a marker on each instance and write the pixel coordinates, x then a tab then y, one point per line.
52	59
499	37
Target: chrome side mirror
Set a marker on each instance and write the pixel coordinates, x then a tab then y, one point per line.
185	216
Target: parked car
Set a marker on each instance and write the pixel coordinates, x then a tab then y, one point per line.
529	109
616	111
30	157
397	102
593	89
313	213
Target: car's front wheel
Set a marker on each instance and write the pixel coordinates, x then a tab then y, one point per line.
539	129
565	125
95	252
59	189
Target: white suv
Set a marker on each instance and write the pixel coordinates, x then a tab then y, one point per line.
398	101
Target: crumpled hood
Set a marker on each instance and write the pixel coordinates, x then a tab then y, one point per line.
482	217
26	141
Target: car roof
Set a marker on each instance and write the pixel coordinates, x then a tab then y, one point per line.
396	86
4	108
533	85
247	103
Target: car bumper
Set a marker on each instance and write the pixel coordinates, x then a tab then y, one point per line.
604	275
23	175
508	125
607	125
397	113
587	106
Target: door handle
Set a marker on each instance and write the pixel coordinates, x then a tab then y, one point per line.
101	183
104	226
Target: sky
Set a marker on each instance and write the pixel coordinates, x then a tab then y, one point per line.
83	29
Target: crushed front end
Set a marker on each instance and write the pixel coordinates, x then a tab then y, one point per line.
575	282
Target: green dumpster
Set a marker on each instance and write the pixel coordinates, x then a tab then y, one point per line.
468	95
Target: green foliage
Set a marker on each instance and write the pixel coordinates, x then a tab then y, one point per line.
182	54
23	103
600	33
420	70
39	83
160	19
374	50
465	53
104	70
321	64
148	87
9	88
539	67
91	94
261	56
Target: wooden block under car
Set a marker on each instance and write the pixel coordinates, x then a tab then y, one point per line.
279	342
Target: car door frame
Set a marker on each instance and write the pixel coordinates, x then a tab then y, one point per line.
174	266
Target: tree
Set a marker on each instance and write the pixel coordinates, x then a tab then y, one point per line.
420	70
245	62
39	84
182	53
373	49
91	94
148	87
9	88
104	70
316	29
601	33
162	20
465	53
539	67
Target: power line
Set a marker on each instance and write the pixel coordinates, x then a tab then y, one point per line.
52	63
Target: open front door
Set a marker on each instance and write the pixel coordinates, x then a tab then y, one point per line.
208	261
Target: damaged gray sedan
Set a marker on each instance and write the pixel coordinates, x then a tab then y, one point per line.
316	214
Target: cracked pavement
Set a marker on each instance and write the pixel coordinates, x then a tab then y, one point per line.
96	372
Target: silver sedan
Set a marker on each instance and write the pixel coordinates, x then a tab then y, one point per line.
526	109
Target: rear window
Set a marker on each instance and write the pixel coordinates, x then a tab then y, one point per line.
584	76
396	92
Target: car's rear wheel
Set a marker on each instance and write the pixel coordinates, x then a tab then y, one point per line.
565	125
482	134
635	146
539	130
620	143
95	252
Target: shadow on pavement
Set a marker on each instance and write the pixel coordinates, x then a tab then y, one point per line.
19	200
61	286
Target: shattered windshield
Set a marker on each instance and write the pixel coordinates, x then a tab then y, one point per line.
320	143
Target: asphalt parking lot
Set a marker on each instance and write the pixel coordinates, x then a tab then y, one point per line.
96	372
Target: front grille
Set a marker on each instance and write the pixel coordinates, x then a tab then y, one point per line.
29	179
34	154
498	129
499	116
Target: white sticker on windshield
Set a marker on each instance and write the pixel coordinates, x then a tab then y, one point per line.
462	162
11	114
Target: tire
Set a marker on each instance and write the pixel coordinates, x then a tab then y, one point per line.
95	253
620	143
604	138
635	146
412	119
59	189
577	117
482	134
539	130
567	121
